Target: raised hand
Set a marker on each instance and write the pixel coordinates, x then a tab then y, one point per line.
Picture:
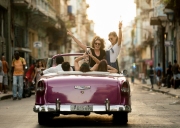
120	24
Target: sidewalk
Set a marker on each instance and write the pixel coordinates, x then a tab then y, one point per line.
169	91
8	95
5	96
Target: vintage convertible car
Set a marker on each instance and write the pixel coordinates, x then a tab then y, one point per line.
75	92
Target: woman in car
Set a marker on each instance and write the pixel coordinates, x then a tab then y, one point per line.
104	67
113	51
97	48
85	64
99	66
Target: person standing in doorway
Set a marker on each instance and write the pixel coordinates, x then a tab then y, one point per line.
159	71
18	68
5	70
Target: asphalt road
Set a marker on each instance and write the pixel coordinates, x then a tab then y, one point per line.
149	109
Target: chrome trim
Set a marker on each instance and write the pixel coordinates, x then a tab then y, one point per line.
58	104
67	108
107	104
82	87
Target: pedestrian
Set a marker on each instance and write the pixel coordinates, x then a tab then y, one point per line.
113	51
97	48
40	67
5	70
1	76
151	76
132	77
176	72
18	70
169	76
159	71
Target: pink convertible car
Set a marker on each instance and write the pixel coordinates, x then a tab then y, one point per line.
75	92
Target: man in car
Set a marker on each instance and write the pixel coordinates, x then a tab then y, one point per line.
58	67
66	66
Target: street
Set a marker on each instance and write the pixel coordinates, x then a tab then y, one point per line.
149	109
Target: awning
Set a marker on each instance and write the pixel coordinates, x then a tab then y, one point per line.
149	62
23	49
157	20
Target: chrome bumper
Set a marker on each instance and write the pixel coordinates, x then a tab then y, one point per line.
67	108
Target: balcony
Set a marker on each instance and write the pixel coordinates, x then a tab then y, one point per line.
39	8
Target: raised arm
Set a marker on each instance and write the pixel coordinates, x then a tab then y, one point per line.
120	33
76	65
77	41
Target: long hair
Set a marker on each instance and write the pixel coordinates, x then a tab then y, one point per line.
85	67
38	66
100	39
102	66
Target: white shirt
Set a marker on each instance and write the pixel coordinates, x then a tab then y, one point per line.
114	52
53	69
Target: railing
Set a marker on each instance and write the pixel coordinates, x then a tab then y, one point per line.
42	5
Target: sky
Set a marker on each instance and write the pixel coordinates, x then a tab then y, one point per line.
106	14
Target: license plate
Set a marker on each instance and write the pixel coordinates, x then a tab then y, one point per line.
81	108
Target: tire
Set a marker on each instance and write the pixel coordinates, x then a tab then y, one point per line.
120	118
44	118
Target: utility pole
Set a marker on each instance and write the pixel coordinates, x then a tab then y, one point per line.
163	49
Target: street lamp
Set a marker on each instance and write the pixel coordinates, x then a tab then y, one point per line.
169	13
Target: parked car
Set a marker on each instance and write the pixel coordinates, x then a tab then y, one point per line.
75	92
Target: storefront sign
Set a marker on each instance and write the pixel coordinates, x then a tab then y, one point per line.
38	44
168	43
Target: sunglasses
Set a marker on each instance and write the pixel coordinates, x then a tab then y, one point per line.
110	39
97	44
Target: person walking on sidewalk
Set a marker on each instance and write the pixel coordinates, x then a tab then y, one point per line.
176	72
5	70
169	75
159	71
151	76
18	68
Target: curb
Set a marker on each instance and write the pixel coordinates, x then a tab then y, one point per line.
160	91
6	97
10	96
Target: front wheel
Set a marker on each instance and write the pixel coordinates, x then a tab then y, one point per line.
120	118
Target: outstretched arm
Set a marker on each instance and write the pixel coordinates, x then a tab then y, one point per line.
77	41
120	33
111	69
